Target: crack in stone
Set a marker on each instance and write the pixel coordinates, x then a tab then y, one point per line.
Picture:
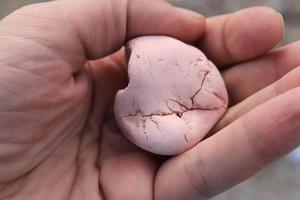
145	132
185	138
156	123
216	95
181	104
174	111
138	112
179	114
201	87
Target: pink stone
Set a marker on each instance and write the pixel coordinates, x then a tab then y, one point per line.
174	97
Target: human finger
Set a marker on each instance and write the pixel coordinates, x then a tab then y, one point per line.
248	78
236	37
235	153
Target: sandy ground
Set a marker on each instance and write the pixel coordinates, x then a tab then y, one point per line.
281	180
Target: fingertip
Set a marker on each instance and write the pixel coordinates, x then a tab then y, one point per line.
252	32
243	35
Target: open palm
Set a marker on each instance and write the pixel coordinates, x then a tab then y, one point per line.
58	138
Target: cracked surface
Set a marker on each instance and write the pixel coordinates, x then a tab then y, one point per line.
174	97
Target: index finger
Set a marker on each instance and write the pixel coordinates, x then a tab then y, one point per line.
240	36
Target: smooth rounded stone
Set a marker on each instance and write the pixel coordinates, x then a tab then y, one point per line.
174	97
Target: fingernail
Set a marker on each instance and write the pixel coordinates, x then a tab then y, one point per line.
282	21
281	16
190	13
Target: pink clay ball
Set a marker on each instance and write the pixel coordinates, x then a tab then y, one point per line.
174	97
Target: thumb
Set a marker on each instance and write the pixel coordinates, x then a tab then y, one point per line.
103	26
92	29
42	45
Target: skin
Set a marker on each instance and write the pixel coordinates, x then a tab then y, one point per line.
58	139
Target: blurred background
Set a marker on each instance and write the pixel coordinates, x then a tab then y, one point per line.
280	180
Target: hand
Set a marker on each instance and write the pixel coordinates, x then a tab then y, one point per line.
58	139
53	100
262	123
